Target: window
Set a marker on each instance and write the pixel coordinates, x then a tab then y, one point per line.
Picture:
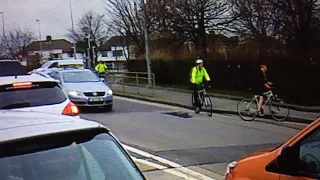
72	156
117	53
104	53
11	68
40	94
79	77
55	75
309	154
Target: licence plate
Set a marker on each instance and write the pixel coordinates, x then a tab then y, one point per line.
95	99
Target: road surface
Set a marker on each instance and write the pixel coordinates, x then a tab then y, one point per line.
174	143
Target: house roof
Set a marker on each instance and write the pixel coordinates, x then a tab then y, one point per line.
115	41
63	44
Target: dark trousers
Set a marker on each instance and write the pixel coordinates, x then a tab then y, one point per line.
195	88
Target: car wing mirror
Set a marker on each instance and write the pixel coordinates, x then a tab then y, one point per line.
283	163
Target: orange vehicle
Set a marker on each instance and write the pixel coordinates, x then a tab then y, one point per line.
298	158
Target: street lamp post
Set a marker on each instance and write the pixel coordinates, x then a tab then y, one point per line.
3	29
147	40
3	34
74	41
86	32
39	35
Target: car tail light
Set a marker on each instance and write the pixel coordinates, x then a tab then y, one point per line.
22	85
71	109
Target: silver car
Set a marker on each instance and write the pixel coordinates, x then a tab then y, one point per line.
56	147
84	88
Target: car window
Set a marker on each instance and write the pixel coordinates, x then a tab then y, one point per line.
47	64
99	158
54	65
39	95
55	75
11	68
71	65
80	76
309	154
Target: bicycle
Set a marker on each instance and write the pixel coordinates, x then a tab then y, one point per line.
203	99
275	103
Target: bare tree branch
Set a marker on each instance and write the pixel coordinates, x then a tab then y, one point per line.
17	41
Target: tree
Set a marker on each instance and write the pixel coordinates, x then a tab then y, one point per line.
256	21
17	41
96	25
126	18
194	18
299	21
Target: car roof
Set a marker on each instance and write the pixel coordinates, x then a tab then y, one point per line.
67	61
73	70
36	77
8	60
20	124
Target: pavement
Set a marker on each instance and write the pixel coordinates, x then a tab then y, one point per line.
174	143
222	104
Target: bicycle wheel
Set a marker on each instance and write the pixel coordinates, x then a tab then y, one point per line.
247	109
279	109
196	109
208	105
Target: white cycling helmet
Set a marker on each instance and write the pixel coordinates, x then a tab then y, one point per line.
198	61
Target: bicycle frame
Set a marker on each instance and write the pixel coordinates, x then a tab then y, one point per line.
268	94
201	95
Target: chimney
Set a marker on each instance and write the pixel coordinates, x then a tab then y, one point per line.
49	38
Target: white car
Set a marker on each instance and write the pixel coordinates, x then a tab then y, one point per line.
54	147
54	64
35	92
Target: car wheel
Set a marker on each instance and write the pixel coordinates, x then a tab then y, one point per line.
107	108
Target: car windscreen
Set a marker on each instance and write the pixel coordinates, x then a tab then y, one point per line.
79	77
11	68
40	94
90	155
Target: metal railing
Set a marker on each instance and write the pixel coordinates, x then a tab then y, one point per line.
131	82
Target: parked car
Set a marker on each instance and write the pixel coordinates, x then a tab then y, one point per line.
10	67
54	64
84	87
298	158
54	147
35	92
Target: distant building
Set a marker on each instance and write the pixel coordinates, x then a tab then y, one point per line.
115	53
53	49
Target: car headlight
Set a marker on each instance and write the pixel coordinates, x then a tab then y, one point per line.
230	167
74	93
109	92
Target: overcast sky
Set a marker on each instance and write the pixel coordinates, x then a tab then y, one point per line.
54	15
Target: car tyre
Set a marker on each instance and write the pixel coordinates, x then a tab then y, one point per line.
108	108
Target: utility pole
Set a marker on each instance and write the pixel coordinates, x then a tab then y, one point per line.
39	35
147	41
3	29
74	41
3	34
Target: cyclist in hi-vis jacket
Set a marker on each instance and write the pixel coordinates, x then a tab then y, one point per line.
198	73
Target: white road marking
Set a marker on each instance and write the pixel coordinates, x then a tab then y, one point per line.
147	103
163	168
167	162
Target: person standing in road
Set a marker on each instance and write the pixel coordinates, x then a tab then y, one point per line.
261	86
101	68
198	74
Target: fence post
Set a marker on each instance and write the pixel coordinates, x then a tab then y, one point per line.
123	76
154	83
137	81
